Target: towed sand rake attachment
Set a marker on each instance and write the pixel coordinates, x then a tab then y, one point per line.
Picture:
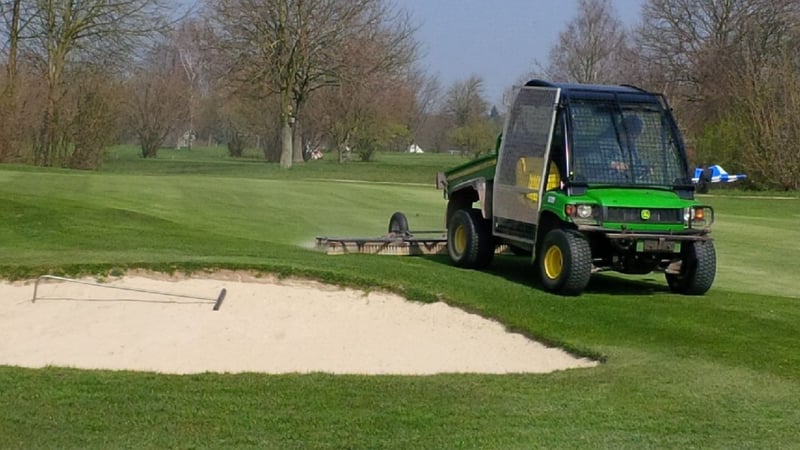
385	245
398	241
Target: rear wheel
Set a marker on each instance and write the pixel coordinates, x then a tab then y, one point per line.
469	239
565	262
698	269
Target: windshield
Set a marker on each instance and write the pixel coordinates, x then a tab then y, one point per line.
619	143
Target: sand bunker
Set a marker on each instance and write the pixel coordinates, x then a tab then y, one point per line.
264	325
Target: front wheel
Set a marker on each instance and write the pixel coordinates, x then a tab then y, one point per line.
565	262
469	239
698	269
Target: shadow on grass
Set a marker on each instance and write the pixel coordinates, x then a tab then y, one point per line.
520	270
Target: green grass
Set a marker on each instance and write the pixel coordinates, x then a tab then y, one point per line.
719	371
758	240
386	167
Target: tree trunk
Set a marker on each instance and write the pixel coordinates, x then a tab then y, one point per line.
8	114
286	142
11	68
297	141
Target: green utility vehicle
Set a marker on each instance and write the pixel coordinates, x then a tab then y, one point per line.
585	178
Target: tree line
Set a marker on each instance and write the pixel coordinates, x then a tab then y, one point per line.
286	76
730	68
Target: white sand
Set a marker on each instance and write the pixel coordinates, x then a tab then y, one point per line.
264	325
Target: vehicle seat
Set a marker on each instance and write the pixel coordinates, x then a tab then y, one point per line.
529	176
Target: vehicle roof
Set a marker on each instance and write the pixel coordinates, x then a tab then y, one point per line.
570	89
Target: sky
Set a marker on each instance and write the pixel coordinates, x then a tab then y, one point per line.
497	40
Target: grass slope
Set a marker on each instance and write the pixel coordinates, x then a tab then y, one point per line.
719	371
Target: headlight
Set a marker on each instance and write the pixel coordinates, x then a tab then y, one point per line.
582	214
698	216
584	211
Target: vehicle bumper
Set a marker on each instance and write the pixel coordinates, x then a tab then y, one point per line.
641	241
683	235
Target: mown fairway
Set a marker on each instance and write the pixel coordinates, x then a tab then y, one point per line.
719	371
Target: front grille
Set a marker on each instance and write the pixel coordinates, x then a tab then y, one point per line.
634	215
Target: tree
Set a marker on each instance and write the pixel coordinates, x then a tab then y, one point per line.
364	115
190	42
731	67
94	122
155	101
292	48
475	138
427	96
464	101
473	131
11	13
767	119
153	110
590	49
66	39
434	133
691	45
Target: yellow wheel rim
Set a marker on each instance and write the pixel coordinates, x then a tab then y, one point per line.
553	262
460	239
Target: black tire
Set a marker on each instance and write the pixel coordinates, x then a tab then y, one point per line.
565	262
398	224
469	239
698	269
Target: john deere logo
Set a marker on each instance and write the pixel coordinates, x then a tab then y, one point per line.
645	214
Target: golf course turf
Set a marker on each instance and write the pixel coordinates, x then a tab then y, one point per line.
716	371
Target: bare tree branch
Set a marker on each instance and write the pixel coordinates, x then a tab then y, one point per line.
294	47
